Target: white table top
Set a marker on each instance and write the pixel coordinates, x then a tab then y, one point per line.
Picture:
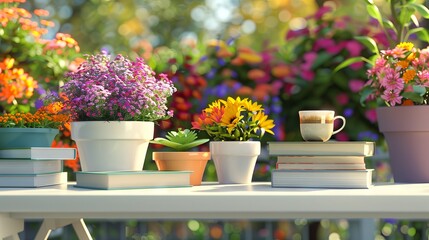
213	201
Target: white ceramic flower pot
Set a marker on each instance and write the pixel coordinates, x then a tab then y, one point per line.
235	161
112	146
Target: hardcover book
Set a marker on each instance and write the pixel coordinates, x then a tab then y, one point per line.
13	166
322	178
133	179
327	166
32	180
39	153
337	148
321	159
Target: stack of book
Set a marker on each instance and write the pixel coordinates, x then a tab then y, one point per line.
332	164
34	167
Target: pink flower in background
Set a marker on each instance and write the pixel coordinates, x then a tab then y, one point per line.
308	60
342	23
343	98
308	75
357	66
342	136
330	45
323	43
354	48
297	33
322	11
371	115
356	85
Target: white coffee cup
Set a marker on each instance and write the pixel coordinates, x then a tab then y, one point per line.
318	125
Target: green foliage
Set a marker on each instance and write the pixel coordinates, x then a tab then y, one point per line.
182	140
402	15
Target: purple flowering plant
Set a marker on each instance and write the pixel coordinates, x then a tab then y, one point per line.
116	89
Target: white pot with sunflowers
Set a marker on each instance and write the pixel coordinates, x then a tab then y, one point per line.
235	126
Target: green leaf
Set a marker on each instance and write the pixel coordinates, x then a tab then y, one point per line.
405	15
422	33
415	97
419	89
321	58
349	62
389	25
415	20
365	93
421	9
374	12
369	43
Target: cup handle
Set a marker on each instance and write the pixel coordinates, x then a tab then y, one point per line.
341	128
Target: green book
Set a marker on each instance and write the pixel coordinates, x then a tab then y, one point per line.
133	179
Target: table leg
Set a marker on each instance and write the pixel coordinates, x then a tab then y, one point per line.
362	228
10	227
49	224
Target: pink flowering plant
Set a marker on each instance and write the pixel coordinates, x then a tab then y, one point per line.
400	76
118	89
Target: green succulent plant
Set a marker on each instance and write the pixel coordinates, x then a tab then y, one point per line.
181	140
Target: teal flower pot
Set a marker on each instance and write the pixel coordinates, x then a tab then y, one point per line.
26	137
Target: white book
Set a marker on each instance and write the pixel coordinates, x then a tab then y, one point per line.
18	166
39	153
321	159
32	180
327	166
322	178
336	148
133	179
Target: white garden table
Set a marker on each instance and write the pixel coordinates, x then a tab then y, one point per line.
65	204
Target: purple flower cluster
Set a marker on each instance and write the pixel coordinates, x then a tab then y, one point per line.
117	90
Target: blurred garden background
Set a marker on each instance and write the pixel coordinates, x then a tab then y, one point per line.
281	53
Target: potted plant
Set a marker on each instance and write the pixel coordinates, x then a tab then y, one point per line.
400	78
24	130
233	124
398	88
113	104
181	141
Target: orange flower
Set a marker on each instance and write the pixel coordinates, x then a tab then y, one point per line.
409	75
402	64
249	56
47	23
41	12
280	71
256	74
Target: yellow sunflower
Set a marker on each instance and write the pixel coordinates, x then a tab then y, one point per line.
252	106
232	114
263	122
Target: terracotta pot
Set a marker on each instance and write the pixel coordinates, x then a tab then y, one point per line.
406	130
183	161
